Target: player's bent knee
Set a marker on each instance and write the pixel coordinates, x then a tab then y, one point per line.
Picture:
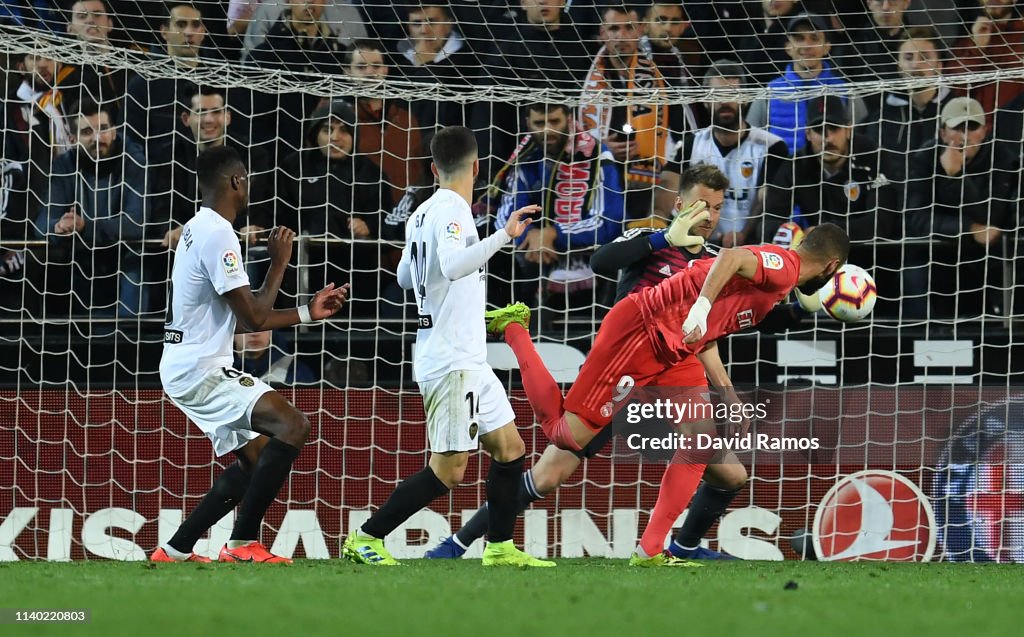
292	428
449	467
730	476
554	467
504	444
297	428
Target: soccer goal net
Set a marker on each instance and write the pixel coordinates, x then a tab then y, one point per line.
900	122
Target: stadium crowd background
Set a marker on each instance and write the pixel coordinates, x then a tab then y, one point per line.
98	163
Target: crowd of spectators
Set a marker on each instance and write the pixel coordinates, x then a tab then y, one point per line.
98	163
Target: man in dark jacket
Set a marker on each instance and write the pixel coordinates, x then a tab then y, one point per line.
838	177
329	192
877	45
95	215
962	194
153	107
300	42
909	120
203	123
90	22
545	49
764	51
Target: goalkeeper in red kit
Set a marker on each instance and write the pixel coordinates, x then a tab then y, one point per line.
647	333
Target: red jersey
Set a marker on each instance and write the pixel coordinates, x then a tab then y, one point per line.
742	303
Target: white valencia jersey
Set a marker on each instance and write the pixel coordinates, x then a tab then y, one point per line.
443	261
743	165
200	324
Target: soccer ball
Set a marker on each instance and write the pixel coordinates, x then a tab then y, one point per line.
850	295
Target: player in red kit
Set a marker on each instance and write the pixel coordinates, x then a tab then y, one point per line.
644	257
649	332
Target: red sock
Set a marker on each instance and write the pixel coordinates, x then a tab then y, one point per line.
678	485
541	389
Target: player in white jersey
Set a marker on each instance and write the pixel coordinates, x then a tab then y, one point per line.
210	301
443	263
748	156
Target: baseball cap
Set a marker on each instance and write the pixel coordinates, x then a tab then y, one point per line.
962	109
816	21
334	110
829	110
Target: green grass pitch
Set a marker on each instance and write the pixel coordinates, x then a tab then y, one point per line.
580	597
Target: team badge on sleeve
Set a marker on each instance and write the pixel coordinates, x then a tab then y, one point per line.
231	263
453	231
771	261
852	190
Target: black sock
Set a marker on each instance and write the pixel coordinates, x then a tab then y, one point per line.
503	480
476	527
228	490
268	477
707	505
414	493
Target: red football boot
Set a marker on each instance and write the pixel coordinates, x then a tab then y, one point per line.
160	555
251	552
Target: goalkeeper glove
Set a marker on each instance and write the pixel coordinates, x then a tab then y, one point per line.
678	234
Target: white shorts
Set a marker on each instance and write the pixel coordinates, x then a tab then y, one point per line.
221	406
462	406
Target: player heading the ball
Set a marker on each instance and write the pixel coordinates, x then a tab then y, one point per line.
647	333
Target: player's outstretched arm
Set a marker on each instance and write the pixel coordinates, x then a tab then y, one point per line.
255	311
633	246
730	262
457	260
324	305
639	243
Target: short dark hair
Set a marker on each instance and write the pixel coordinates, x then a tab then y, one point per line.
727	69
428	4
214	164
363	44
924	32
648	7
707	175
87	107
543	107
620	8
451	147
827	241
930	34
204	90
174	4
106	5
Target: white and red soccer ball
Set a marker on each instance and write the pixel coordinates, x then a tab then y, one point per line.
850	295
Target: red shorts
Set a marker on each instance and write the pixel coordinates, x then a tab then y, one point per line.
620	360
688	372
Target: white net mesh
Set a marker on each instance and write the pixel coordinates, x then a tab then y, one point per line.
96	463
